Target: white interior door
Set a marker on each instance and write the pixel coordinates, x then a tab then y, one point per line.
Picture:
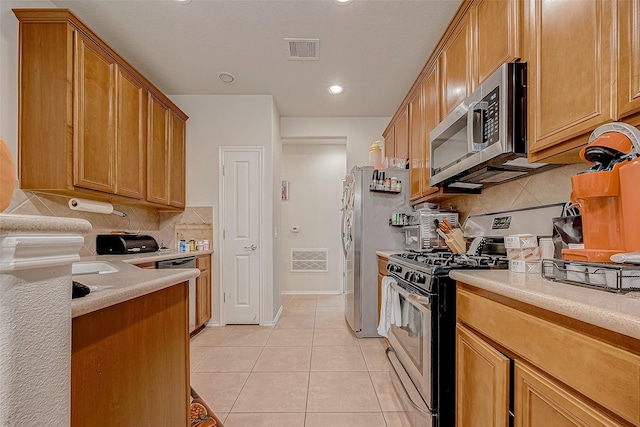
241	252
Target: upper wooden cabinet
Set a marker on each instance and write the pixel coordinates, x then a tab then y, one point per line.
629	59
417	144
94	135
570	52
166	156
83	116
402	136
390	142
456	66
131	135
498	35
431	119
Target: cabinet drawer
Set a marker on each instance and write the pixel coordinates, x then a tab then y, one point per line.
203	263
604	373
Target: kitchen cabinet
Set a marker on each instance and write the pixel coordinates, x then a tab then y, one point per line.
482	381
396	137
568	41
540	401
549	355
390	142
203	290
629	60
498	35
94	136
456	67
402	136
417	144
382	271
90	137
431	118
130	362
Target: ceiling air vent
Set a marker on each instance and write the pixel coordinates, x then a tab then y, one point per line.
303	49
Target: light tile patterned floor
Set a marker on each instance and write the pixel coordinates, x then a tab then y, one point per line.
308	371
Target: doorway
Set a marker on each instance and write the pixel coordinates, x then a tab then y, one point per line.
241	254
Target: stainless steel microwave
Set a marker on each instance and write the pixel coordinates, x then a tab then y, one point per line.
483	141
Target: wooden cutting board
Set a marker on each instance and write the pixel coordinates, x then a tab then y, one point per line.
7	176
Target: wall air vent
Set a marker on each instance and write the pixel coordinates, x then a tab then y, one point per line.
309	260
303	49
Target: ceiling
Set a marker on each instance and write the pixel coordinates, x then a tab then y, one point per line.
375	49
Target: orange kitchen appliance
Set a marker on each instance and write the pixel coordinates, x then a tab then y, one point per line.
608	194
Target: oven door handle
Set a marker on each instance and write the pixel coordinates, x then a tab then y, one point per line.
406	392
424	300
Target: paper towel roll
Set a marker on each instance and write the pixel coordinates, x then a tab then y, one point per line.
90	206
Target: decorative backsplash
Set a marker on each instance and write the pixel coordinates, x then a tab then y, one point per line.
552	186
141	220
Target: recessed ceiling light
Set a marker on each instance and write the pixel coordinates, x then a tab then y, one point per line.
343	1
182	1
335	89
226	77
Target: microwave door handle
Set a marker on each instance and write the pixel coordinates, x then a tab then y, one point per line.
476	127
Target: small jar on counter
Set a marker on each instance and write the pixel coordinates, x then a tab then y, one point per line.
192	245
205	245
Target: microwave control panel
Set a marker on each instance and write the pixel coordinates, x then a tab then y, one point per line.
492	117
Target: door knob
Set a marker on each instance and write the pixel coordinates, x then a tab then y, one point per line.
252	247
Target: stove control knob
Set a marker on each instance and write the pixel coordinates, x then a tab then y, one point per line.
394	268
420	278
412	277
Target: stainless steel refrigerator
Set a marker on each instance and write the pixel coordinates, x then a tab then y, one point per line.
365	230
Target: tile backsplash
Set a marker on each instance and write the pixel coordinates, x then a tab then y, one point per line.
139	219
544	188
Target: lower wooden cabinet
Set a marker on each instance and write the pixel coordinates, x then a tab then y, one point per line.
541	402
482	381
382	271
560	372
203	291
130	362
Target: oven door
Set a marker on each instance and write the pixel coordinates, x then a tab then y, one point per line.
413	341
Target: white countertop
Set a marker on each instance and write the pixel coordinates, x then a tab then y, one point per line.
388	253
130	281
615	312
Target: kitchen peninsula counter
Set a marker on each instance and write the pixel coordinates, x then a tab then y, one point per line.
615	312
129	281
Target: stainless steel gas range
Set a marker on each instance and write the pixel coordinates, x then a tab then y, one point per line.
422	349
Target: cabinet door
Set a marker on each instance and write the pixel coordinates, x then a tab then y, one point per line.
402	135
94	136
498	32
177	161
158	152
629	57
130	362
570	52
131	136
456	67
539	402
203	291
390	142
482	382
431	119
416	144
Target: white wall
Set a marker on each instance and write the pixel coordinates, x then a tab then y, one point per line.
314	173
222	121
360	133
